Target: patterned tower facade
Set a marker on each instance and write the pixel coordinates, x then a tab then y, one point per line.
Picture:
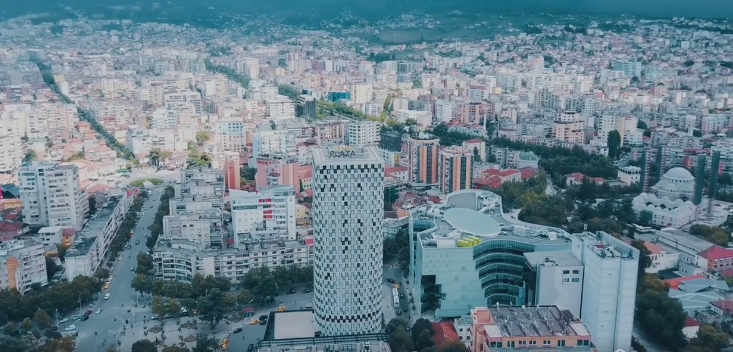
348	190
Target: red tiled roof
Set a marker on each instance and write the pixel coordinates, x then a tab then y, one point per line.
716	252
675	283
725	305
444	334
7	226
690	321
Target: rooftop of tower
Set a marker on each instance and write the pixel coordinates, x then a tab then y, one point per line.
341	154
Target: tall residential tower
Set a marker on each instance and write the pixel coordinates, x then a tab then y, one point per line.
348	188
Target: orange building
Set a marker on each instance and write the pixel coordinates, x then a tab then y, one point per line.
530	328
423	160
455	166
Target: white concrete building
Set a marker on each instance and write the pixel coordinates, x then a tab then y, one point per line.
92	242
664	211
271	209
558	279
22	264
281	108
138	139
677	183
363	133
230	135
52	196
361	93
348	187
50	235
629	174
609	288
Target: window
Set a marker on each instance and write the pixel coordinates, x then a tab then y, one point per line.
561	343
565	280
576	279
565	272
576	271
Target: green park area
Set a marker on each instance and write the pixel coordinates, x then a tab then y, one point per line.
141	182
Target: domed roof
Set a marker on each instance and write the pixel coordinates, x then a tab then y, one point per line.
679	173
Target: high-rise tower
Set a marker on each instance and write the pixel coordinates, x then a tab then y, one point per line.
348	189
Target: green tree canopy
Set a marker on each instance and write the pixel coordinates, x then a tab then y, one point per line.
144	346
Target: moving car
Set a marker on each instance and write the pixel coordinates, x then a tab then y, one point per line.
307	290
281	308
264	322
106	296
291	291
105	286
254	322
86	317
263	317
137	242
391	281
70	328
237	330
99	310
88	312
250	347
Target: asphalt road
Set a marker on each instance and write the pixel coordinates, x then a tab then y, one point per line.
112	317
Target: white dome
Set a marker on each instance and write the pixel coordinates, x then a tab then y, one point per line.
679	173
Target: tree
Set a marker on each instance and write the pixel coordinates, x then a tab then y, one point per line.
30	155
26	325
10	329
400	341
204	343
42	319
395	324
645	260
243	297
420	325
424	340
175	349
144	346
173	307
454	346
202	137
662	318
709	340
476	155
613	143
12	344
212	305
158	306
247	173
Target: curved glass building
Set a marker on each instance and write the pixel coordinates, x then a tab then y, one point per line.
466	253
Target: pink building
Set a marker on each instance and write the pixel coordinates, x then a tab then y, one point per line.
277	171
544	328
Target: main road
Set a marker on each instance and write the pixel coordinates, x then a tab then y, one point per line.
99	332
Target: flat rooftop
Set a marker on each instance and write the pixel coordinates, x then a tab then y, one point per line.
532	321
476	216
341	155
563	258
294	324
93	228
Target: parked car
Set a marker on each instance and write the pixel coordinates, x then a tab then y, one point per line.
391	281
291	291
86	317
264	322
254	322
88	312
70	328
307	290
250	347
64	320
98	311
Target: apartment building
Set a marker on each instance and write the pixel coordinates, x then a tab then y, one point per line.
197	241
52	196
363	133
138	139
10	142
92	242
22	264
569	127
455	169
230	136
422	154
271	208
361	93
280	108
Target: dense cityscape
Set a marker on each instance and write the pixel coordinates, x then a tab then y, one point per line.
419	182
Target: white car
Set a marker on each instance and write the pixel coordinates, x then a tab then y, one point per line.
71	328
99	310
106	296
64	320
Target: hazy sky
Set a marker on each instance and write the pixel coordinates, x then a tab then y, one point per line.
688	8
